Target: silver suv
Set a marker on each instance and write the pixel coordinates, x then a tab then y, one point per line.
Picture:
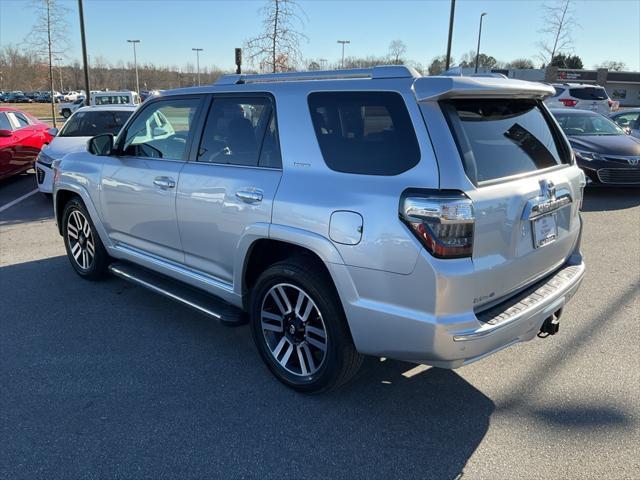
344	213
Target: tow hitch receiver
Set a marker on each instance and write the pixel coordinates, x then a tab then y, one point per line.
551	325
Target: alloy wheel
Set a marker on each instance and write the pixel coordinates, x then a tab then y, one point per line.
293	329
80	239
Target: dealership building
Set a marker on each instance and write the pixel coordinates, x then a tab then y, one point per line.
623	87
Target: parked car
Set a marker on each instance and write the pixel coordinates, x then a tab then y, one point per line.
628	120
580	96
14	97
85	123
100	98
607	154
73	95
21	137
427	219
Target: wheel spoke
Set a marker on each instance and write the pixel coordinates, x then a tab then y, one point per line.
309	357
275	322
286	356
303	365
72	231
320	341
278	296
85	259
86	229
76	250
276	351
90	247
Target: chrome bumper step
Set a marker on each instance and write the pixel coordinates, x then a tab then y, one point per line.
196	299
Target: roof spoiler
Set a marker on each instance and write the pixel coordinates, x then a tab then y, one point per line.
438	88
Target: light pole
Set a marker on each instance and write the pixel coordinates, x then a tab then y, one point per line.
447	62
58	59
135	64
85	61
479	34
198	50
343	42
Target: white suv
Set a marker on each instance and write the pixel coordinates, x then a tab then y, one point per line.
580	96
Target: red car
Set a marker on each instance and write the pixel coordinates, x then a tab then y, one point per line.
21	137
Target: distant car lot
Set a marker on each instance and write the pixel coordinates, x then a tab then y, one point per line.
108	380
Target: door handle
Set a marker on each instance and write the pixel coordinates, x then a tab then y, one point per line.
250	196
164	182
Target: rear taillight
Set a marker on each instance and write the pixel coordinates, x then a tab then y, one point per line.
567	102
443	223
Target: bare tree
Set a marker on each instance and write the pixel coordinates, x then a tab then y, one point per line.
522	63
48	37
560	21
277	48
397	49
613	65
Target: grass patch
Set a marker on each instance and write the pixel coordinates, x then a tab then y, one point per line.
39	110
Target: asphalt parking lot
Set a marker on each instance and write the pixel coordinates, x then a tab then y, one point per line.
106	380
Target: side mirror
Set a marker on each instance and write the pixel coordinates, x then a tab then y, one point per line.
159	131
52	131
627	130
101	145
5	133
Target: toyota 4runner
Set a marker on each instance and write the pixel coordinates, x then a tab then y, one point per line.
343	213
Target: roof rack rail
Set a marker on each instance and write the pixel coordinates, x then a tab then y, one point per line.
380	72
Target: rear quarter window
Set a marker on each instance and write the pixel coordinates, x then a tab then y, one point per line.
366	133
501	137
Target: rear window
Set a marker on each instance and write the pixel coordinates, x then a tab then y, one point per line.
367	133
589	93
90	123
499	138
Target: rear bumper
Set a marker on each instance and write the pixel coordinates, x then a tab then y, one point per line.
383	329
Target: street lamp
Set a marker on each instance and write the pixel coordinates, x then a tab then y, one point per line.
135	64
479	34
59	60
198	50
343	42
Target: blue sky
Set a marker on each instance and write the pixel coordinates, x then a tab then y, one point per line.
610	29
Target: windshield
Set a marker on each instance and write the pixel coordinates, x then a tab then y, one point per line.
88	124
587	124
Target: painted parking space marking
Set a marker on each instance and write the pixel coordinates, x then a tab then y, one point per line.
17	200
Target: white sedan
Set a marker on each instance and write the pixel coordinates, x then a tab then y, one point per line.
86	122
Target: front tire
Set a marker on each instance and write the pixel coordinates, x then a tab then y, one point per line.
85	251
300	329
66	113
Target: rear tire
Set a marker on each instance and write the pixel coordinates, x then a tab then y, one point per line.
85	251
300	329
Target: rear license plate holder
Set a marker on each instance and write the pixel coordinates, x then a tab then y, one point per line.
545	230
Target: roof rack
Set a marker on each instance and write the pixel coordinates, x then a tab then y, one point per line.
380	72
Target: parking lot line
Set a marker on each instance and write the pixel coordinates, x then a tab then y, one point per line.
17	200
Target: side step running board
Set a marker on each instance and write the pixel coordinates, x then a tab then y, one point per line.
191	297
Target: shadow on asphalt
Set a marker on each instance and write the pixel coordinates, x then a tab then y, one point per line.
104	379
599	199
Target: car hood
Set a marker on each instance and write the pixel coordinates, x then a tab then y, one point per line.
624	145
60	146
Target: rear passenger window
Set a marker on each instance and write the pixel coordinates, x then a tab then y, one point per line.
367	133
558	91
234	133
499	138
